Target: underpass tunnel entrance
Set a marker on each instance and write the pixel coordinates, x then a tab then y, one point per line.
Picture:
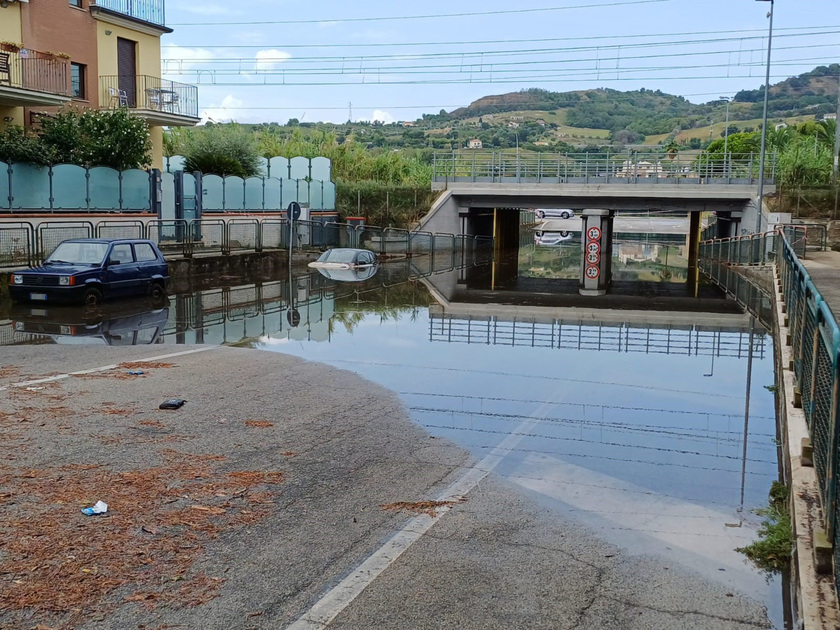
634	252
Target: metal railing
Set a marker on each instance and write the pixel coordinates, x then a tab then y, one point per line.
627	168
22	244
150	93
571	335
33	70
152	11
815	341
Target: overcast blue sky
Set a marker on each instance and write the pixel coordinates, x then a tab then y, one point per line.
253	65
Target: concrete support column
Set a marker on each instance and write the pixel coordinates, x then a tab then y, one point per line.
596	262
693	252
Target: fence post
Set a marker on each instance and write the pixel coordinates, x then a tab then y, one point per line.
52	189
156	192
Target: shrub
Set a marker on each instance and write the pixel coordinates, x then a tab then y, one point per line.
222	150
16	145
92	137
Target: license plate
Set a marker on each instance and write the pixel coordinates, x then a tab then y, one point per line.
39	312
40	297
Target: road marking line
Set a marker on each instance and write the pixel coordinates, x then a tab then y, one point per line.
105	368
326	609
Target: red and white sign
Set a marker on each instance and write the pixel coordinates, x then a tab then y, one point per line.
594	234
592	272
593	258
593	247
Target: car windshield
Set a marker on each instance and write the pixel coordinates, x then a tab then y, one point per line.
78	253
346	256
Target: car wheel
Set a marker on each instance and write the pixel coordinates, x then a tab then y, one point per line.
157	295
565	234
540	214
565	215
92	297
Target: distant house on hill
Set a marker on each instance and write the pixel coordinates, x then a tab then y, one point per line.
408	124
475	143
513	125
830	117
630	169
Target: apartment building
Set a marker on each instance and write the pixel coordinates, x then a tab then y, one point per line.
99	54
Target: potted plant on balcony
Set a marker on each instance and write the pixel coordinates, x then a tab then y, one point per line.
11	47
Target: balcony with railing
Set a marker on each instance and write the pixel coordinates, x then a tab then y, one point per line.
151	11
29	77
159	101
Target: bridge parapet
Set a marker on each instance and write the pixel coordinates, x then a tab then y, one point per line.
641	169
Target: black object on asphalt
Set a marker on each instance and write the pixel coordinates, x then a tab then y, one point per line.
172	403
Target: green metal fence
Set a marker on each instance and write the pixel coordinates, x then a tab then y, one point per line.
815	342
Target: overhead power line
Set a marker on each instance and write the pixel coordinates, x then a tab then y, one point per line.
478	54
259	67
613	38
426	17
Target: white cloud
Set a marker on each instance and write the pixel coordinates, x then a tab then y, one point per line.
228	111
269	59
380	115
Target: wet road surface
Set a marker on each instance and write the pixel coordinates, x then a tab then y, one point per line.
608	473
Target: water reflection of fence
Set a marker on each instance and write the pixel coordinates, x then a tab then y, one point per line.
814	337
569	335
22	244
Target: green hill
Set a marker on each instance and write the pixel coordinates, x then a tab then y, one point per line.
651	113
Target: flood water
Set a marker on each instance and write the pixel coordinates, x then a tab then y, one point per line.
631	419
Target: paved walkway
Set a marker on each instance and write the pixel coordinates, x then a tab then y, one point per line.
255	505
824	268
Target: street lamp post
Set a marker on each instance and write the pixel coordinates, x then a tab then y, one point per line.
764	121
726	159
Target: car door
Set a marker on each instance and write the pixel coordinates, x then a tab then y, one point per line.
122	275
147	263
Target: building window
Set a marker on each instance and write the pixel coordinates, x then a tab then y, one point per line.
77	80
76	3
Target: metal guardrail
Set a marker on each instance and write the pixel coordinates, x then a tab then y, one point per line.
815	341
22	244
627	168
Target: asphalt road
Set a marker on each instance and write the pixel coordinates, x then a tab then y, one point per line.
314	551
630	225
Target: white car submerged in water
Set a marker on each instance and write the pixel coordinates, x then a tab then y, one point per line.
549	239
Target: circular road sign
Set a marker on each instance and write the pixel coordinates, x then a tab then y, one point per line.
593	258
593	247
594	233
592	272
293	317
294	210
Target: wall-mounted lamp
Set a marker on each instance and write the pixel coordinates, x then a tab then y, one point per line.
4	4
8	120
107	32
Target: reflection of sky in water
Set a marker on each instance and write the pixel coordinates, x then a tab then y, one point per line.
654	420
645	448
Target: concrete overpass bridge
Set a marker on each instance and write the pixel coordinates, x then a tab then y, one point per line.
482	194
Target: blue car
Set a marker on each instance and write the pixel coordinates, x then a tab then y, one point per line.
91	270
